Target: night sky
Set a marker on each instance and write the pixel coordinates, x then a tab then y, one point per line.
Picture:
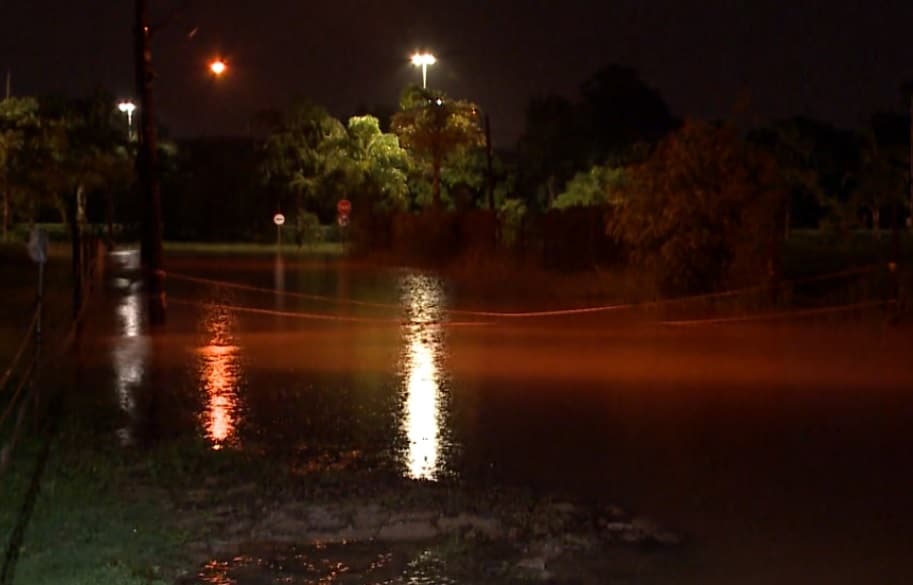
836	60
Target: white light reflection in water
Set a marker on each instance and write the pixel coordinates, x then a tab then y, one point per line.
220	375
422	420
129	354
279	281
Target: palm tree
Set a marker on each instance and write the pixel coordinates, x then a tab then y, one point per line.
434	127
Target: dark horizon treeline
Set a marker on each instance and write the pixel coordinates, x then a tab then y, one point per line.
613	119
832	173
611	148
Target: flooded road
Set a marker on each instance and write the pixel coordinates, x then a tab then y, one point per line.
781	451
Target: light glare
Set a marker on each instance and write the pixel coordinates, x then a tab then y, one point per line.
419	59
218	67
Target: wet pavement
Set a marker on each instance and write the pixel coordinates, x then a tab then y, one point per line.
782	451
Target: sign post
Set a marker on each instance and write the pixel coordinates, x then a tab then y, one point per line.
279	220
38	251
343	209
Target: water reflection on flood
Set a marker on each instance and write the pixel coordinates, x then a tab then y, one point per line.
279	281
129	356
366	564
422	416
220	371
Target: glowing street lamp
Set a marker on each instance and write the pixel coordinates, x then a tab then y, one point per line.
423	60
127	107
218	67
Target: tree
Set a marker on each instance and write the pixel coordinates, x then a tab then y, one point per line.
19	141
554	146
621	110
615	114
816	162
372	163
702	211
312	155
90	152
601	185
300	147
880	179
465	179
435	128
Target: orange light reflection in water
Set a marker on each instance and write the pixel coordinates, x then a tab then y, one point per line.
220	373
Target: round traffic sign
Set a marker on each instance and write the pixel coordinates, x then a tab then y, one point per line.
278	219
344	207
38	245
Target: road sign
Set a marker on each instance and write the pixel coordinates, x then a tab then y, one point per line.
278	219
38	245
344	207
342	220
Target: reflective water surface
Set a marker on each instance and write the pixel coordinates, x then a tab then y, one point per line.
129	355
782	451
220	376
423	350
328	565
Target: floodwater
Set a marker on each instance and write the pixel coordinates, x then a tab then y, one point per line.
782	451
360	564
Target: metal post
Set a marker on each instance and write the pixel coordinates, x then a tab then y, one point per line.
40	307
35	388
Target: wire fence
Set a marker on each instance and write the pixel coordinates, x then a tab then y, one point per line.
15	389
845	291
20	383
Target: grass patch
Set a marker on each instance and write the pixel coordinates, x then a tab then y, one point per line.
815	252
319	248
105	514
92	521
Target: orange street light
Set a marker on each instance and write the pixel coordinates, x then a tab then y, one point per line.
218	67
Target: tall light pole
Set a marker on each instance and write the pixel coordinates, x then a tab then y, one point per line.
127	108
424	60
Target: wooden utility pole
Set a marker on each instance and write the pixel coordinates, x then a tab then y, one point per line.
910	219
490	181
147	170
7	195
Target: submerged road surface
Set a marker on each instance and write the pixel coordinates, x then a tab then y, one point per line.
782	451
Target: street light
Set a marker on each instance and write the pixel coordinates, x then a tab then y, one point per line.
423	60
218	67
127	107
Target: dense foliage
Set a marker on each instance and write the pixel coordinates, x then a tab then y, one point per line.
435	128
698	205
701	210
